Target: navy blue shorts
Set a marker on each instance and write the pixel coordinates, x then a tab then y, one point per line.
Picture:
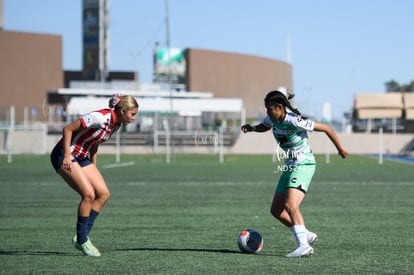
57	156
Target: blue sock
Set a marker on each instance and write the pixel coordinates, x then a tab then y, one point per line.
92	216
82	229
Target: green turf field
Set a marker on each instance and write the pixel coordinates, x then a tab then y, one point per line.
185	217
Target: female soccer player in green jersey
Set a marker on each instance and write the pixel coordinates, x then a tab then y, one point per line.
290	131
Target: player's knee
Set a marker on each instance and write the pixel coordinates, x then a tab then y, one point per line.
290	207
104	196
88	196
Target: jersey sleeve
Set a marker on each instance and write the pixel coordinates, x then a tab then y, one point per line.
300	123
267	122
92	120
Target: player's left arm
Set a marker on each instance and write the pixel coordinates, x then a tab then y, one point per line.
321	127
93	152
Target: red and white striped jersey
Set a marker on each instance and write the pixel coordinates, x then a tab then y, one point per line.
98	127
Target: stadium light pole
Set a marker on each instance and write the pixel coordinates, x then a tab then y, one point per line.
167	29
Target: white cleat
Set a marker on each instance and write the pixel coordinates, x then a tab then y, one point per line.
88	249
312	238
301	251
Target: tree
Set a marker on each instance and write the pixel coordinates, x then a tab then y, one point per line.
393	86
410	87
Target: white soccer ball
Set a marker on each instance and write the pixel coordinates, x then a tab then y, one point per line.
250	241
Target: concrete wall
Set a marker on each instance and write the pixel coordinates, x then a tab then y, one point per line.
251	143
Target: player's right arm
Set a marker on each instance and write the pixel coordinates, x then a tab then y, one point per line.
68	131
321	127
256	128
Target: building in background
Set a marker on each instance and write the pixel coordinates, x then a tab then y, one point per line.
390	112
222	88
31	65
227	74
32	70
95	42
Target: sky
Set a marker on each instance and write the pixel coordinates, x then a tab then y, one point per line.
337	48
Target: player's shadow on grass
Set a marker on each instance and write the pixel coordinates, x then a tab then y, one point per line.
224	251
34	253
56	253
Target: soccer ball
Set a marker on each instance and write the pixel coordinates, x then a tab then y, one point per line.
250	241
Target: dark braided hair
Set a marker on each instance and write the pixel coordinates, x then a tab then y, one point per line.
275	97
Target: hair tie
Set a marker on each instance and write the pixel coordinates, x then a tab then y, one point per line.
116	98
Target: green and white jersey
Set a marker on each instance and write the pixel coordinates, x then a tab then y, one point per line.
291	136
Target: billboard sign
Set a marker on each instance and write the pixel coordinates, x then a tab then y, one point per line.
169	63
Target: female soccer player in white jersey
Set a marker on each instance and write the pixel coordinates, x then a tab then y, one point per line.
74	159
290	131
